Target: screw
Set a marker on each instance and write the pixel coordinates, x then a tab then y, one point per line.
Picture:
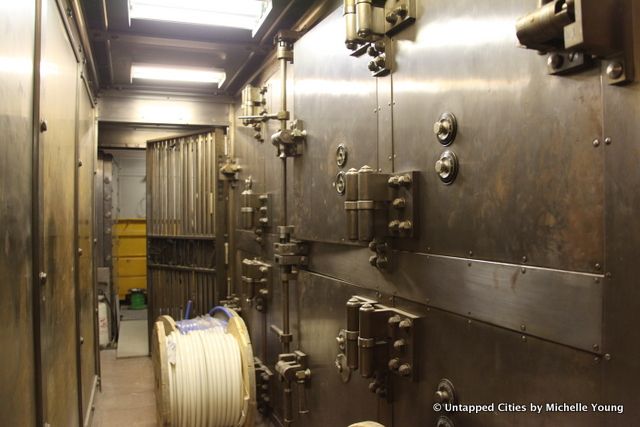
614	70
598	266
596	347
523	270
596	142
524	259
607	356
43	277
607	141
524	338
523	328
79	163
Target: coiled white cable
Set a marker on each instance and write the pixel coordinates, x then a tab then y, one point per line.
205	379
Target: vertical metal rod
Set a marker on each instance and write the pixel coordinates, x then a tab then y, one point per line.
283	91
288	404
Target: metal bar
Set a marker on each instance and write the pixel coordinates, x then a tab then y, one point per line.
36	220
86	43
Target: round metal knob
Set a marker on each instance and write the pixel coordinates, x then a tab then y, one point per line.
445	128
441	396
447	167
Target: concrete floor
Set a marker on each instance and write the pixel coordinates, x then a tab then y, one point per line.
127	397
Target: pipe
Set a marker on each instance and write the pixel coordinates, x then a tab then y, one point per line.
84	40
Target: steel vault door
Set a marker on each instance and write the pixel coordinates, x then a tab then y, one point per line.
59	76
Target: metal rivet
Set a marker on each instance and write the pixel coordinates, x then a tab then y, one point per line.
596	347
598	266
524	338
614	70
596	142
607	141
43	126
523	327
607	356
523	270
524	259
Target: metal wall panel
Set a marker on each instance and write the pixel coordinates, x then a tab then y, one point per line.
530	185
335	97
17	370
162	110
86	153
58	317
622	294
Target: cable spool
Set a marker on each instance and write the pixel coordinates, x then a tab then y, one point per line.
204	372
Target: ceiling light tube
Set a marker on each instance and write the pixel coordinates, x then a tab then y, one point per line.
177	74
244	14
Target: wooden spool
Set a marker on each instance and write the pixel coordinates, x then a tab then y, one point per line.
163	327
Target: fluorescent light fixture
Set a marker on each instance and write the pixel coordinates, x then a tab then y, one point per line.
245	14
176	74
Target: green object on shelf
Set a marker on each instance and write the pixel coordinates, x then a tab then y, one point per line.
137	300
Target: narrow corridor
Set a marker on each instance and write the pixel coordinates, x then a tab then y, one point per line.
127	397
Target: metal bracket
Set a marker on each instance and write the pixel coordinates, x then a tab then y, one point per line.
370	24
574	31
230	169
254	111
263	386
289	253
380	204
294	367
232	302
380	339
254	210
255	276
289	141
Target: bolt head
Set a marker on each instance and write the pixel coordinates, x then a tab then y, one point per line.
614	70
555	61
404	370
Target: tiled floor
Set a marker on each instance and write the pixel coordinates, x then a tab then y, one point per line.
127	397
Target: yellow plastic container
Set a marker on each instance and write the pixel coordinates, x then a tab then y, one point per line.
129	255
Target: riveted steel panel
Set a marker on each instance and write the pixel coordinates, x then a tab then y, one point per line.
491	365
560	306
336	98
86	153
622	294
17	371
530	181
58	317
